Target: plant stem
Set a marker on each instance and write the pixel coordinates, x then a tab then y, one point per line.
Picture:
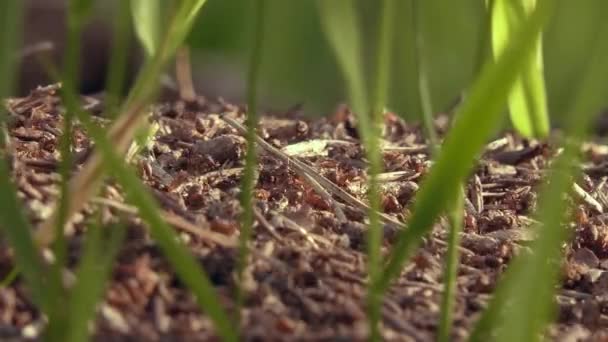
115	80
249	177
423	83
455	217
58	316
455	212
374	156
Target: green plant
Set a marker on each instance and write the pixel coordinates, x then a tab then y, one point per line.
527	100
249	178
16	226
523	303
89	286
465	140
340	24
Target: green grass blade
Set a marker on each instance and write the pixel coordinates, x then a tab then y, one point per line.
455	212
9	278
91	278
249	177
78	11
17	230
424	92
528	100
476	120
339	21
186	15
125	127
451	269
121	38
375	158
184	264
146	21
526	291
179	26
13	222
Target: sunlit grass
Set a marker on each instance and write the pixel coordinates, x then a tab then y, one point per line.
523	302
528	99
476	120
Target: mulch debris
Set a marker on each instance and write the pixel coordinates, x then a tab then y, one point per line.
306	278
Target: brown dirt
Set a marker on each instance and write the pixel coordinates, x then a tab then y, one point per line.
306	279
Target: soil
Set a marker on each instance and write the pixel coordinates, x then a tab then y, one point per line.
306	278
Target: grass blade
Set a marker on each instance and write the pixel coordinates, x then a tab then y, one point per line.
13	222
424	92
341	28
146	20
476	120
527	101
339	21
249	177
184	264
375	158
455	212
526	291
121	38
76	18
92	276
455	217
122	132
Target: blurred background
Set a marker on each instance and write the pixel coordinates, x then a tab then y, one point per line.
298	65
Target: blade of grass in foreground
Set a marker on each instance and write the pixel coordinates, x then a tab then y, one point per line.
249	177
456	209
146	19
375	158
78	11
13	222
527	101
475	121
339	21
121	38
341	28
523	302
87	181
91	277
184	264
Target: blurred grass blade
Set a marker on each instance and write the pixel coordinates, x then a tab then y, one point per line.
11	13
117	71
147	23
77	15
527	100
184	19
476	120
17	230
79	9
249	177
13	222
455	212
184	264
123	130
91	278
339	21
375	160
455	217
524	297
341	27
424	92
